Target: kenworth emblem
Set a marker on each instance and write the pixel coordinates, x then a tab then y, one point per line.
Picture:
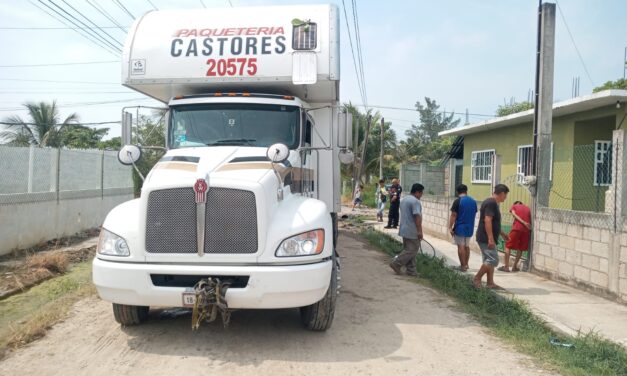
200	188
201	191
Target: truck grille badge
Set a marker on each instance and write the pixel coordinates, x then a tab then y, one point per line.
200	189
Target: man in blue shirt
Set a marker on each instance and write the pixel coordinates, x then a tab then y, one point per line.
462	224
410	230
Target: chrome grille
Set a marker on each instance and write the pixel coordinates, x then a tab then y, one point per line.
231	221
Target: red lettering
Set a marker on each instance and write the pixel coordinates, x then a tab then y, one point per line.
205	32
229	32
180	32
251	31
263	30
192	33
279	30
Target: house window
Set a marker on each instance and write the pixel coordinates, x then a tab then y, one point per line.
524	167
602	163
481	165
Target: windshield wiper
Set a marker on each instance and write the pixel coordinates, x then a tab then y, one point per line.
233	141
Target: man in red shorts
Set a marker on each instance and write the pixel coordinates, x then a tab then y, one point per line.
519	236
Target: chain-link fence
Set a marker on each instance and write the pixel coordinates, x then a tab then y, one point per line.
580	182
31	174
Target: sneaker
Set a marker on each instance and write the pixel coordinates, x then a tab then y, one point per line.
387	227
396	268
412	274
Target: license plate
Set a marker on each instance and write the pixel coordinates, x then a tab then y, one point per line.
189	299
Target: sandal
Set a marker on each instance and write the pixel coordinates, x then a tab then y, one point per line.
503	269
515	269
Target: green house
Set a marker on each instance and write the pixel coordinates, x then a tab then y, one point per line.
581	151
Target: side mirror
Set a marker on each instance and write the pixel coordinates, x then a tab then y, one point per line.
345	130
278	153
129	155
346	157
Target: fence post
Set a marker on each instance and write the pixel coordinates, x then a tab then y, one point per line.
31	168
102	158
57	178
496	171
617	194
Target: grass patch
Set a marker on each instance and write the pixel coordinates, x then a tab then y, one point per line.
26	317
56	262
512	320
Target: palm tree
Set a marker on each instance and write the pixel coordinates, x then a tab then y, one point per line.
42	129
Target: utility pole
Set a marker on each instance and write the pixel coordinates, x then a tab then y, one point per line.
381	156
355	146
543	112
625	62
363	150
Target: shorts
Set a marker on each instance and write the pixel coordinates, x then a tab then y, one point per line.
462	240
357	201
489	256
518	240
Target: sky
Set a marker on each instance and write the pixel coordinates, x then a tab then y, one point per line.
466	54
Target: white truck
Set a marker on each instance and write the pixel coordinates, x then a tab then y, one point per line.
241	212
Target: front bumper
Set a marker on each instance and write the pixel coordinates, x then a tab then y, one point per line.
268	286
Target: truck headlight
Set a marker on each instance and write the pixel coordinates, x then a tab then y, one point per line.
112	245
305	244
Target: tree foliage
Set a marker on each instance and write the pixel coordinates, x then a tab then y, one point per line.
621	83
150	131
513	107
42	128
373	148
423	143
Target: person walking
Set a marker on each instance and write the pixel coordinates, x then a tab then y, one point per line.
395	201
488	233
381	196
357	201
462	224
519	236
410	230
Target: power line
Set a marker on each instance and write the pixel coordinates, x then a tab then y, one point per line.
94	24
60	82
80	104
54	125
90	30
66	92
58	64
230	3
108	16
121	6
350	39
54	28
359	50
203	4
80	32
572	39
414	110
153	5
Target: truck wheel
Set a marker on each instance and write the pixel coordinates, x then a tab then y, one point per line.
319	316
128	315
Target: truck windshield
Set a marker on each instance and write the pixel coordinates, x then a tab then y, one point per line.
247	124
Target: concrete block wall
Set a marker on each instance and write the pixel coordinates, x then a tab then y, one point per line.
26	224
580	249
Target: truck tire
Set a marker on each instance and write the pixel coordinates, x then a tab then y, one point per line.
319	316
128	315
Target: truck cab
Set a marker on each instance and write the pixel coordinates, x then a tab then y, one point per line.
247	193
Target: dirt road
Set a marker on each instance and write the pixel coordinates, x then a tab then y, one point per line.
384	325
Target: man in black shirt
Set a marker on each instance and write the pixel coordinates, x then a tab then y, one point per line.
395	202
488	233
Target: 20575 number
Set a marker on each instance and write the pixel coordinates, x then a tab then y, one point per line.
232	67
